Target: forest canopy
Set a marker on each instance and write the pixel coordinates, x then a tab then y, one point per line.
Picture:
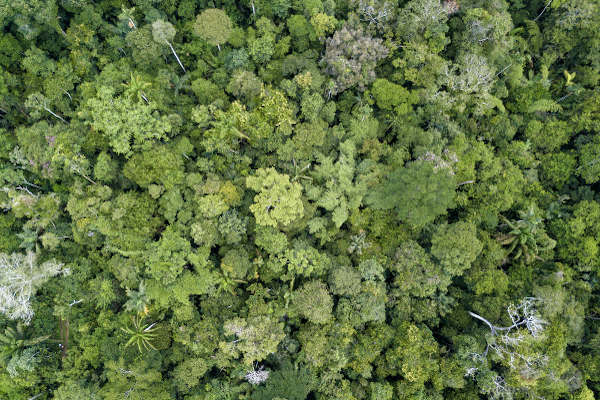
300	199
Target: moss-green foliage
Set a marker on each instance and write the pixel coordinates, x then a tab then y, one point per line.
313	302
417	193
159	165
321	199
213	25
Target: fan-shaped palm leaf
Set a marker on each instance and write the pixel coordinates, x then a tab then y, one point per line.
141	334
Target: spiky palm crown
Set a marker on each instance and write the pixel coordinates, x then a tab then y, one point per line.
526	237
136	86
14	339
140	334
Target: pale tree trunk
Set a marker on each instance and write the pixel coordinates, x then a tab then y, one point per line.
175	54
57	116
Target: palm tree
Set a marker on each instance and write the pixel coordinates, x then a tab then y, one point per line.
137	301
526	237
135	87
141	334
13	340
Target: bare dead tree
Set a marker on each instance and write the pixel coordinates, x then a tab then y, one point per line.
375	15
505	344
257	376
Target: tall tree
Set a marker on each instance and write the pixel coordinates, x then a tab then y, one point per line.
164	32
21	275
214	26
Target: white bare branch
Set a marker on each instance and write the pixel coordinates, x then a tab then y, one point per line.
177	57
257	376
508	340
20	276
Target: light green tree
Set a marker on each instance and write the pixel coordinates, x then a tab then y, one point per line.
38	102
415	274
137	300
164	32
339	186
127	124
278	202
214	26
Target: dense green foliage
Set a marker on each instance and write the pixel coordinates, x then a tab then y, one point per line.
300	199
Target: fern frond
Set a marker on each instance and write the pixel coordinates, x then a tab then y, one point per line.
544	105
